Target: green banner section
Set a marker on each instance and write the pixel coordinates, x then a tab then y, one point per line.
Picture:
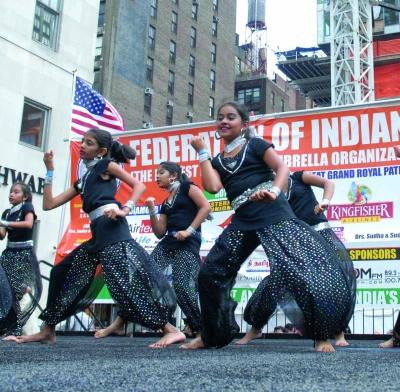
221	195
379	296
104	294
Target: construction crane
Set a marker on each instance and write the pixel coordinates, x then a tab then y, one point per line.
352	61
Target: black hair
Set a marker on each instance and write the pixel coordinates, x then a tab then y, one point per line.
26	190
174	168
244	115
115	150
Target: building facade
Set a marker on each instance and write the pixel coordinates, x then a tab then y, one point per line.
43	43
164	62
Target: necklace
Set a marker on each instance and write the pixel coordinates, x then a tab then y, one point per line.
173	186
234	143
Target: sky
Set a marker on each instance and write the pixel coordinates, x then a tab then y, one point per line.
289	23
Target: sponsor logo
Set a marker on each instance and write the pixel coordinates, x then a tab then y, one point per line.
361	213
359	194
144	227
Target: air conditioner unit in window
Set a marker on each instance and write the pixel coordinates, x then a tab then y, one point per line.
215	19
148	91
147	125
189	114
170	103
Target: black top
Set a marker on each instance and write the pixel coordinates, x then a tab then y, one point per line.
302	200
96	192
19	235
244	171
180	212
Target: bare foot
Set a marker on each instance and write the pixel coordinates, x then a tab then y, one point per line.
168	339
46	336
254	333
115	328
11	338
387	344
341	340
194	344
324	346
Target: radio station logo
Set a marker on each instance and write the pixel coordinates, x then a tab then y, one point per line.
361	210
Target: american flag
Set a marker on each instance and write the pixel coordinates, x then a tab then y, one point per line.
91	110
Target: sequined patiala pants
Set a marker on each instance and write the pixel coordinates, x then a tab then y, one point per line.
143	294
24	283
304	275
185	271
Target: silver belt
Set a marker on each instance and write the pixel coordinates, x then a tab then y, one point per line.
244	197
321	226
20	245
99	211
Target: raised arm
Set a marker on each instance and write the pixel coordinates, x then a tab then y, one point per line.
204	209
49	201
327	185
158	222
209	176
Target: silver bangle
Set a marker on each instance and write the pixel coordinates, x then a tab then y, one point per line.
130	204
274	189
48	180
191	230
326	201
152	212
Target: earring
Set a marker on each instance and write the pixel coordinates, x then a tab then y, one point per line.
98	157
242	132
217	136
171	180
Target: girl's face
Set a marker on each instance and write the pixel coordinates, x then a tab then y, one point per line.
229	123
16	195
164	177
90	148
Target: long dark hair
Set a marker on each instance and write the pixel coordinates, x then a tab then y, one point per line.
174	168
115	150
244	115
26	190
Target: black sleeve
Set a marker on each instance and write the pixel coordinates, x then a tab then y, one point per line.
259	146
27	208
298	176
4	214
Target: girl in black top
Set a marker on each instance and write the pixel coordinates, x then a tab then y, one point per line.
302	277
143	294
22	286
305	206
179	227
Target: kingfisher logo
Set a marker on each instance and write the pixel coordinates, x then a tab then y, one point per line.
361	210
359	194
144	227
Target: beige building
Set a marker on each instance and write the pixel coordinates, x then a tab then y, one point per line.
164	62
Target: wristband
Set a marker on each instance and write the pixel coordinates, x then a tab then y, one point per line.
204	156
191	230
130	204
49	173
202	151
152	211
274	189
48	180
4	223
326	201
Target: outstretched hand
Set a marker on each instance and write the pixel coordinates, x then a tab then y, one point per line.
150	202
115	213
263	195
48	160
198	143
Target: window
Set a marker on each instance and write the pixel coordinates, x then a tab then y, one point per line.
102	8
99	45
212	80
190	94
149	69
272	98
249	96
195	10
174	22
192	65
215	5
193	34
172	52
213	53
214	28
153	8
211	107
170	114
46	20
35	118
175	2
147	103
171	82
282	105
152	37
